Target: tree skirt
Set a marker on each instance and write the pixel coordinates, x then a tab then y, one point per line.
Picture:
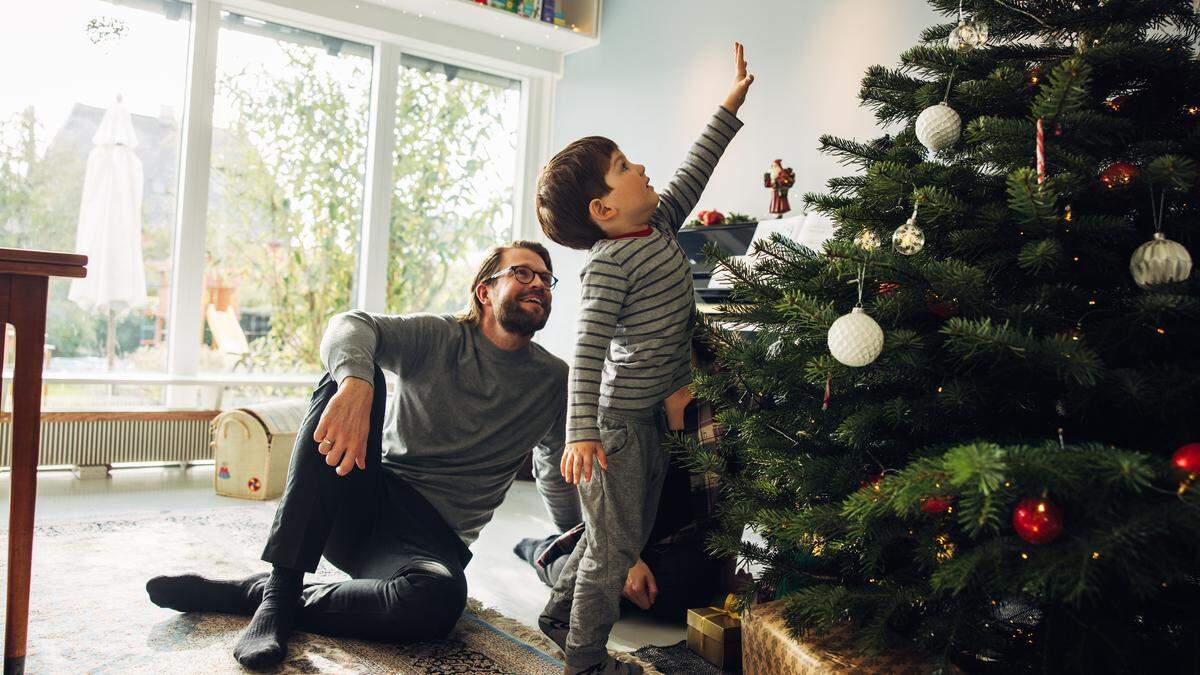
89	610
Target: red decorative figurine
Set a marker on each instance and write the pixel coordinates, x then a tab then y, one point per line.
1037	521
779	180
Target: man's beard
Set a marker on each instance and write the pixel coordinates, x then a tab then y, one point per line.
517	318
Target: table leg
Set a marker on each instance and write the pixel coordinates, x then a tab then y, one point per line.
27	313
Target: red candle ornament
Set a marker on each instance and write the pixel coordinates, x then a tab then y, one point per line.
1037	521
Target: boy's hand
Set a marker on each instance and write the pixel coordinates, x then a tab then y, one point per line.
741	81
577	460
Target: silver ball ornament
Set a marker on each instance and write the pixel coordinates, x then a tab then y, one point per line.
968	34
855	339
1160	261
938	127
908	239
867	240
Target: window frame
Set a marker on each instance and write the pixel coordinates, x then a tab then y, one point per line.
400	33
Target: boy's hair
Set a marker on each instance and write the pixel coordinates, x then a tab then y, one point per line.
568	184
490	265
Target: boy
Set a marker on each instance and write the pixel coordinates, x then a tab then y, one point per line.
633	350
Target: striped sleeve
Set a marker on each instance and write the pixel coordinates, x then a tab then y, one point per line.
679	197
604	288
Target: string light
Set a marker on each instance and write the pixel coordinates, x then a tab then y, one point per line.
1024	556
1161	331
1095	555
1091	302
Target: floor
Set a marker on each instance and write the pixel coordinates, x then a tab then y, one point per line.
496	577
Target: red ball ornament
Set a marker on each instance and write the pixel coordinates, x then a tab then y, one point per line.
1187	458
935	504
943	307
1037	521
1119	175
711	217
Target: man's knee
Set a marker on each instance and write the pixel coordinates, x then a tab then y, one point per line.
433	603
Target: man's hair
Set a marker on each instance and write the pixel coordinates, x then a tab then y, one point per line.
568	184
490	265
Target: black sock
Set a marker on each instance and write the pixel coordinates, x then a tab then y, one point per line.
194	593
527	550
264	642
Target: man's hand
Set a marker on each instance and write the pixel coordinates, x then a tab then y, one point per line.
342	431
741	81
577	460
675	405
640	588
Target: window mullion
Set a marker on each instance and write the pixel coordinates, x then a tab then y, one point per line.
371	280
187	259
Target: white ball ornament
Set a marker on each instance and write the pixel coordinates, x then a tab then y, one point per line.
855	339
938	127
1160	261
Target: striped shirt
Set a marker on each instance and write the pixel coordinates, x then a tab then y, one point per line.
635	322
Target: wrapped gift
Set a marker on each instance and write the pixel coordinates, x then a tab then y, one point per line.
716	634
768	648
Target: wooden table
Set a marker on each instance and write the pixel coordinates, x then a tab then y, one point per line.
24	279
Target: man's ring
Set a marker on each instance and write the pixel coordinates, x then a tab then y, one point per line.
326	441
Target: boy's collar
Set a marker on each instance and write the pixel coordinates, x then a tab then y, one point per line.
640	233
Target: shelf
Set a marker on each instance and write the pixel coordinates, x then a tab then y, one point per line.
581	31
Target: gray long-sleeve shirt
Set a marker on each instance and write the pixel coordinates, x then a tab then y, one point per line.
634	330
465	411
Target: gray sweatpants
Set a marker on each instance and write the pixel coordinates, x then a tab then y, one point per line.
619	506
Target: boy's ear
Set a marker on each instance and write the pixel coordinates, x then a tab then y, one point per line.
600	212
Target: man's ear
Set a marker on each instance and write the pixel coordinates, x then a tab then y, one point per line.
483	293
600	212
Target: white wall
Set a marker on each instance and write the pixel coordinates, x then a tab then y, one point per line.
663	66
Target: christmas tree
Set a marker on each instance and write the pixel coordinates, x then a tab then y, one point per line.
992	460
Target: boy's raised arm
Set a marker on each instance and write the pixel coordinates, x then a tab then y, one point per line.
679	197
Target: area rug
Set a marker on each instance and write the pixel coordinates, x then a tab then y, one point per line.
677	658
89	611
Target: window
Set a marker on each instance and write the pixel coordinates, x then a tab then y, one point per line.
454	174
89	139
289	148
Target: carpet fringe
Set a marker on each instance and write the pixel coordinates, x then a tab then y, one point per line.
536	638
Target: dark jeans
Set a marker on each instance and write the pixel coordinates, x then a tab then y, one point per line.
686	575
406	562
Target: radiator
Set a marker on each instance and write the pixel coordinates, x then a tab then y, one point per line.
99	438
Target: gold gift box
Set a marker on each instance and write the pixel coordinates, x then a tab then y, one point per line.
716	634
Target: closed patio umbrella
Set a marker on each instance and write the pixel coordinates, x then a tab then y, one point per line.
110	224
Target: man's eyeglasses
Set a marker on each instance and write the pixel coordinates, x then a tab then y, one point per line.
525	275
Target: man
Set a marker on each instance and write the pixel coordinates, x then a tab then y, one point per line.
394	497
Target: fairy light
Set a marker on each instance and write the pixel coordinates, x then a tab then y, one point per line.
1024	555
939	390
1091	302
1160	331
1095	555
